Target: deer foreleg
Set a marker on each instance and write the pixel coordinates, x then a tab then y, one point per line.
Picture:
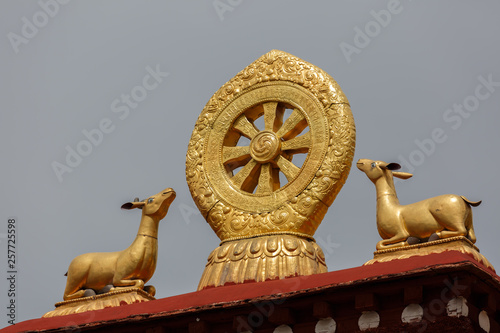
387	243
74	295
398	240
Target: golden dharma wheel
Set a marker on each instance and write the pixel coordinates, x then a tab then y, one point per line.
253	168
270	151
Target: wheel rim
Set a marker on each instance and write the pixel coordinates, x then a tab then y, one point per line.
247	176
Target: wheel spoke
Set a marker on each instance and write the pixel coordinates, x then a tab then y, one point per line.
292	126
245	127
299	144
273	116
276	179
265	180
263	176
288	168
246	176
235	154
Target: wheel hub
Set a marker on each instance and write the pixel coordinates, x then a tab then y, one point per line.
265	146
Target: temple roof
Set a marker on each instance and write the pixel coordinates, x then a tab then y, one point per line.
231	296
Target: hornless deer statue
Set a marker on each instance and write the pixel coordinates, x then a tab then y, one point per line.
443	216
131	267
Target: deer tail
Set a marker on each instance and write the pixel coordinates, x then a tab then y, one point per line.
472	203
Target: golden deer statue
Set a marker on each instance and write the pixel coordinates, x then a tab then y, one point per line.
131	267
443	216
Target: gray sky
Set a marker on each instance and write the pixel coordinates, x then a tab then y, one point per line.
416	77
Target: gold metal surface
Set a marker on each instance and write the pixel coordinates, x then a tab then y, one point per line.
236	183
271	150
440	217
131	267
98	302
262	258
460	243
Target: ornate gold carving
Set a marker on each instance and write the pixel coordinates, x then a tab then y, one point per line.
262	258
461	244
270	151
254	199
98	302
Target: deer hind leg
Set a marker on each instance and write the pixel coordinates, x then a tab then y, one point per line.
461	231
470	226
470	232
124	283
453	228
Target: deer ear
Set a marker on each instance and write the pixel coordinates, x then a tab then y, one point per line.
132	205
393	166
402	175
